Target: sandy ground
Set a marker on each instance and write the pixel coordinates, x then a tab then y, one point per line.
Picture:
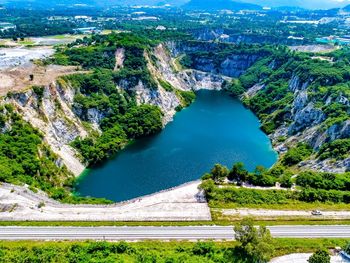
16	66
270	214
18	78
183	203
303	258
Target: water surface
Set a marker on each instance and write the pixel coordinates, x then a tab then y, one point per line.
216	128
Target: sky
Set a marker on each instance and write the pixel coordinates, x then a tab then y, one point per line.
310	4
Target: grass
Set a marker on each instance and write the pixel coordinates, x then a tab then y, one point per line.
303	245
226	222
27	42
293	205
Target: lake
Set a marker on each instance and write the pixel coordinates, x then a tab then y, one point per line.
216	128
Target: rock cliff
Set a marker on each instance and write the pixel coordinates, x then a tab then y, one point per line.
51	113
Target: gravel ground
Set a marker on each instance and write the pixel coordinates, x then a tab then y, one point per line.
314	48
19	56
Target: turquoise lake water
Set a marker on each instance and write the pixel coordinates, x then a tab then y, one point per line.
216	128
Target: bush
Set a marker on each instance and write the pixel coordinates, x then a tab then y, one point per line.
297	154
203	248
338	149
327	181
235	88
320	256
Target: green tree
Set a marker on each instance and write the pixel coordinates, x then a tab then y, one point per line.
256	244
219	172
238	172
320	256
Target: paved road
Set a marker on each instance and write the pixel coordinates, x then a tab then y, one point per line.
161	233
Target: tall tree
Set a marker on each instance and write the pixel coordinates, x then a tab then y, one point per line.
256	244
219	172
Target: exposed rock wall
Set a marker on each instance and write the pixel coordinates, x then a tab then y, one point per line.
53	116
166	69
307	125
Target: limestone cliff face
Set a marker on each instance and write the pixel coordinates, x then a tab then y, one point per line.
183	79
232	66
307	125
52	114
163	67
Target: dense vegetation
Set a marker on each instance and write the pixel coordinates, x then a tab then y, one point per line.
122	119
312	186
24	158
253	245
160	252
297	154
337	149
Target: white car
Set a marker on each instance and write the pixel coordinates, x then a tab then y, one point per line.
316	213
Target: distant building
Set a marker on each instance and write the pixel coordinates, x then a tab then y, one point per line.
87	30
344	40
57	18
161	28
150	18
296	38
314	22
6	26
138	13
82	17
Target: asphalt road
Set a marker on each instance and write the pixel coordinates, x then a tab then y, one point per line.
161	233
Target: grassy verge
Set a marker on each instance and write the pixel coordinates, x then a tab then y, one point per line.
288	206
303	245
232	221
218	217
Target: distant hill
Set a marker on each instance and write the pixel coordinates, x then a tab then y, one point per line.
42	4
307	4
289	8
219	5
91	3
346	8
141	2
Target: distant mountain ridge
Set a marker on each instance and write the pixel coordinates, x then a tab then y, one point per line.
98	3
219	5
189	4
